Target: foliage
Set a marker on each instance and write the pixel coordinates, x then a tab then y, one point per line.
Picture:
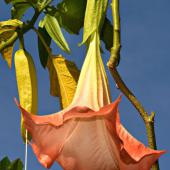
52	26
6	164
94	17
63	79
43	53
72	15
27	84
68	12
61	15
7	30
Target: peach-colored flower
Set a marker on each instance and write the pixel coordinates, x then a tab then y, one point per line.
88	134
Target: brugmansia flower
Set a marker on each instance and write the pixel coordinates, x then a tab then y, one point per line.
88	134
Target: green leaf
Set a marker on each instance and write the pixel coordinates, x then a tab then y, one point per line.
11	24
107	34
8	1
54	30
41	4
15	1
7	55
19	9
7	30
32	1
16	165
70	14
43	54
20	1
94	17
63	79
4	163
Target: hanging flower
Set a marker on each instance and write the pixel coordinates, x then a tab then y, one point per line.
88	134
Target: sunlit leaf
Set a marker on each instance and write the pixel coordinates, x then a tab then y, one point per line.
11	24
68	12
54	84
94	17
63	78
7	55
41	4
54	30
7	30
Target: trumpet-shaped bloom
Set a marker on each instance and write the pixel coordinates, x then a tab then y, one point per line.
88	134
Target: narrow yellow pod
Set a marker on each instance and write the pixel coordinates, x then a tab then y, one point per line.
27	84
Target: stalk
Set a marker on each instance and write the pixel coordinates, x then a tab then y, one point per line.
112	64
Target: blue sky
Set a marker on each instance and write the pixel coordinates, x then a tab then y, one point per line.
144	66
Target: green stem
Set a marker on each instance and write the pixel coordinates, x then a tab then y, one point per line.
43	41
112	64
21	39
115	50
31	23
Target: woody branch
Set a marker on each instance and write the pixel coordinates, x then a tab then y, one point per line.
112	65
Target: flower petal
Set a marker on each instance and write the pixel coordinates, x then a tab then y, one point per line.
88	140
133	154
88	135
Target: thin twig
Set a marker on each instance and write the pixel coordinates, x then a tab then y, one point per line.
112	64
